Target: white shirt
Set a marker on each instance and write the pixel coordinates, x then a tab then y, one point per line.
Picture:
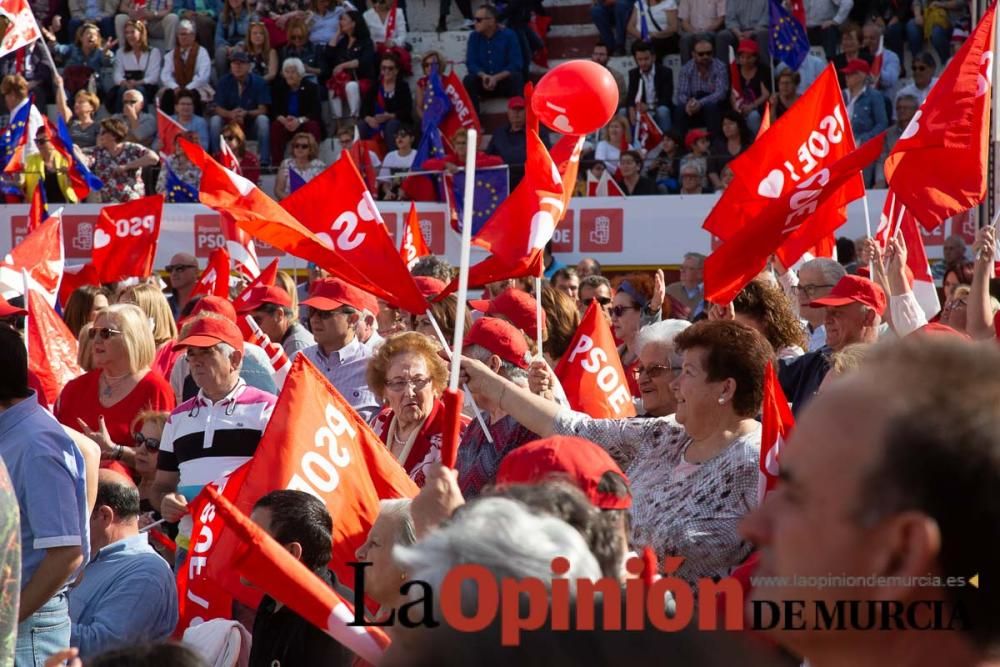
376	26
394	163
912	90
202	71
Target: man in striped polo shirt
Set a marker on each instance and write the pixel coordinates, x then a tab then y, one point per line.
212	434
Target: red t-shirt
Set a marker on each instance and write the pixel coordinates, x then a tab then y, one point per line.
81	399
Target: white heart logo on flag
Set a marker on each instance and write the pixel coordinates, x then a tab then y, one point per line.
772	185
101	239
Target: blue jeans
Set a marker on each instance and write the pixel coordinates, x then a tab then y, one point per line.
940	40
44	633
611	21
662	117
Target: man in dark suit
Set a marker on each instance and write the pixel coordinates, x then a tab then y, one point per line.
650	87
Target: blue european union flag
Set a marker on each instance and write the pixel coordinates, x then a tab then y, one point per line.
436	109
66	142
491	189
295	180
789	42
13	134
179	192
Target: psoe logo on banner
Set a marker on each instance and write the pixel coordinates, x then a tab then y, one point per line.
562	237
78	234
601	230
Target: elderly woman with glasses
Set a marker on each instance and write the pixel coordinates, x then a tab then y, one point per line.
303	166
695	474
408	376
658	366
118	163
103	402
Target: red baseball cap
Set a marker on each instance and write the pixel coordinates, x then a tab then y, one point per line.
853	289
501	338
332	293
210	331
428	286
7	310
262	294
856	65
694	135
515	305
583	462
748	46
516	102
210	304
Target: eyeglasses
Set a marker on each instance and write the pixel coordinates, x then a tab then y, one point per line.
41	140
618	311
170	268
602	300
104	332
811	290
655	371
327	314
399	386
152	444
301	146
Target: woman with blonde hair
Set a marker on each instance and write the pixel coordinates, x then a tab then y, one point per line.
156	307
263	58
103	402
304	162
137	64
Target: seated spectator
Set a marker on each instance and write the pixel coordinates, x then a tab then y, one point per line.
299	46
745	19
867	109
888	77
810	69
295	106
632	182
518	17
303	165
353	60
923	78
906	109
263	58
101	14
692	179
510	141
751	92
141	125
378	20
659	19
157	15
389	104
429	60
395	162
86	57
48	169
698	144
702	89
652	85
850	49
601	55
699	19
137	65
324	20
689	291
186	67
118	163
734	140
279	15
617	138
787	85
493	59
823	21
934	21
243	98
611	19
235	138
230	32
185	102
665	169
127	593
203	14
894	16
419	188
183	168
365	159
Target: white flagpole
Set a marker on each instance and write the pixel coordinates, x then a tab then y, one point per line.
463	271
539	315
468	394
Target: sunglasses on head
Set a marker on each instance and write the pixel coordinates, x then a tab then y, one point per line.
152	444
104	332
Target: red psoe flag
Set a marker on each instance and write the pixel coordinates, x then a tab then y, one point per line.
339	209
40	254
125	239
52	348
777	423
266	277
23	28
270	567
413	247
240	247
591	372
938	168
76	276
167	129
214	279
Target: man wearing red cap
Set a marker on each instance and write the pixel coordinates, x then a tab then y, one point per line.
515	306
650	87
212	434
853	314
334	311
271	308
503	348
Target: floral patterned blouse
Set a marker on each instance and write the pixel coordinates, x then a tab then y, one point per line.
118	187
679	508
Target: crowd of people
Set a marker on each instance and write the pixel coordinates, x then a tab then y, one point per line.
886	459
287	75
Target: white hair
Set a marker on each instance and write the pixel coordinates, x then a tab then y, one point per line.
660	333
503	536
185	25
514	373
228	350
296	63
399	509
831	270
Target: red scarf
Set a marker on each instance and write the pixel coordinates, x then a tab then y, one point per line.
390	24
427	445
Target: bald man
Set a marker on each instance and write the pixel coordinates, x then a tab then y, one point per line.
183	274
127	594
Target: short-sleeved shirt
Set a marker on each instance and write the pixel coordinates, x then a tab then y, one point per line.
255	92
119	187
47	471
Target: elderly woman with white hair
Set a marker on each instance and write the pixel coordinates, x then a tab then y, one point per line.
295	106
383	577
658	366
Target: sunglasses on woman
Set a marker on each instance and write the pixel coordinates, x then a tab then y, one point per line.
602	300
619	310
104	332
152	444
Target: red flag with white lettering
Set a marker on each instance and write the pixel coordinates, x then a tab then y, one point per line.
462	114
413	247
315	442
23	29
52	348
591	372
271	568
776	425
938	168
125	239
214	279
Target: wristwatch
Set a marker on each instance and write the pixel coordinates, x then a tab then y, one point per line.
117	456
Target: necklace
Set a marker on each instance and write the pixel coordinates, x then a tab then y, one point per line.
112	383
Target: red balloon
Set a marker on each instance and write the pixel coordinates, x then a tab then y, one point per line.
576	97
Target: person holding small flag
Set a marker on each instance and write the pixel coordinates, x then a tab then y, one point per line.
886	67
271	308
236	141
179	177
185	103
